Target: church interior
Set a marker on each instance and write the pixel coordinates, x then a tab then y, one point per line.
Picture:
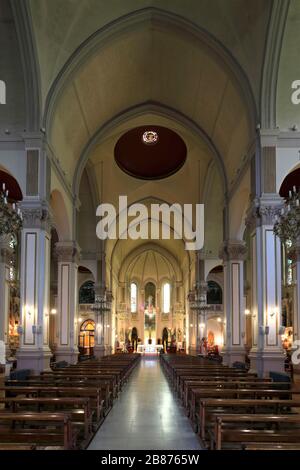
132	340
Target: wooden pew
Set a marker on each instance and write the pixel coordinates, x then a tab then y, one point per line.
98	397
242	429
211	407
31	428
201	393
270	446
77	407
11	447
103	385
222	383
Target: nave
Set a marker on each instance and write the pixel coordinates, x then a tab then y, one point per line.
146	415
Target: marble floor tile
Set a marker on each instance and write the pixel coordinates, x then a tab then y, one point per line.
146	416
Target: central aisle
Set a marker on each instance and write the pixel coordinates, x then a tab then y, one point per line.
146	415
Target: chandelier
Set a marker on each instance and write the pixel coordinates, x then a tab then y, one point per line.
198	302
287	225
102	304
10	216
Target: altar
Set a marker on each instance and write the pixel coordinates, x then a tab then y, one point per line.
149	348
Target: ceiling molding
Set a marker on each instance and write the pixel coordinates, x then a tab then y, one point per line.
136	19
272	56
138	110
28	52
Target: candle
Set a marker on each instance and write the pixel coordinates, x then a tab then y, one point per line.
7	192
288	208
14	206
294	189
3	186
282	211
297	202
290	194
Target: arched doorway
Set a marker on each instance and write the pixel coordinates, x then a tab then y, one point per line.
134	338
86	340
150	313
165	338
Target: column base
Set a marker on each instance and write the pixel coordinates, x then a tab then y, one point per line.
192	351
263	362
230	356
35	360
70	355
108	350
99	351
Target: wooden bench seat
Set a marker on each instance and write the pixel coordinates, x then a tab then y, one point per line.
263	394
51	429
77	407
209	408
100	399
242	429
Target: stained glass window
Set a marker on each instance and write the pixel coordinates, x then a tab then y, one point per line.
87	293
166	298
133	297
150	137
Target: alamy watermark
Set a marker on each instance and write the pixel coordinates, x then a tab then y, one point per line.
154	225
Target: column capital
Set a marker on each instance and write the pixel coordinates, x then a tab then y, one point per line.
67	251
233	250
263	211
36	215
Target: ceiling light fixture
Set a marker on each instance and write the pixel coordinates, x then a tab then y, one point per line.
150	137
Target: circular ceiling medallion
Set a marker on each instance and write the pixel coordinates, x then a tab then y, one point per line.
150	137
150	152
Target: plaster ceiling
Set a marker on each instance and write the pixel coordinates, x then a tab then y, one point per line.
150	160
59	27
165	67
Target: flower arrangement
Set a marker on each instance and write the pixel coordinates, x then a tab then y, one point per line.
10	216
287	225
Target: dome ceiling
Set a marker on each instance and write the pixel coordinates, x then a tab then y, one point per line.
150	152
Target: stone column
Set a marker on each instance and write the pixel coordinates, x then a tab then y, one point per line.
267	352
233	254
67	307
34	352
5	256
99	349
296	282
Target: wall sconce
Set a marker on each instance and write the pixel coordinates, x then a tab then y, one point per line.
219	320
261	329
281	330
274	312
247	312
80	319
53	311
267	330
202	325
191	325
107	326
20	329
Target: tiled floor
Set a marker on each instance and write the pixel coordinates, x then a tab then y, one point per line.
146	415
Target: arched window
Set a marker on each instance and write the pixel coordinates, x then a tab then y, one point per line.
133	297
214	293
87	293
166	297
2	92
